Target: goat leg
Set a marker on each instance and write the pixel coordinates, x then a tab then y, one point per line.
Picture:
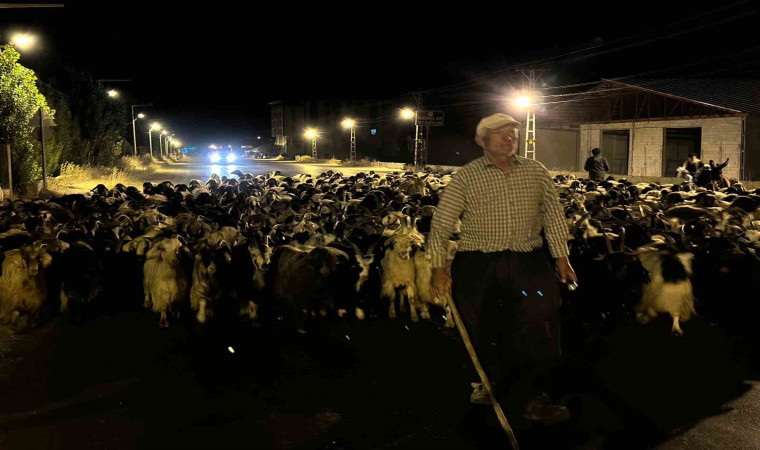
163	323
64	300
201	311
449	318
411	297
425	311
676	326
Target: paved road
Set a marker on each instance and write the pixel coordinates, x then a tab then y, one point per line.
198	168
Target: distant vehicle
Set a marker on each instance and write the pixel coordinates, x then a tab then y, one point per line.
227	155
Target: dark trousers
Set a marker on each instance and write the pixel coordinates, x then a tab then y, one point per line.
596	176
509	303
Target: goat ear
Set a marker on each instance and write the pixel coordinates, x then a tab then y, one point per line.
45	258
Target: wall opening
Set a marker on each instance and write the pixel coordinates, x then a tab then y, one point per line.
679	144
615	144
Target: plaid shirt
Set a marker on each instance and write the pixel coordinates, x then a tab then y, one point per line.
499	210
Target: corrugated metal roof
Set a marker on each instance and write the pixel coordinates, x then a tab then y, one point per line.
733	95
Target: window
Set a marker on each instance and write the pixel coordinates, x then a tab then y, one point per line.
373	131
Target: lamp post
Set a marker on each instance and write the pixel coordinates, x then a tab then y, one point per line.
351	124
312	134
134	127
167	143
408	114
153	126
525	101
160	142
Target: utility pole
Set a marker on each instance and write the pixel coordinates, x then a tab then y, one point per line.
150	141
352	153
417	136
530	122
42	148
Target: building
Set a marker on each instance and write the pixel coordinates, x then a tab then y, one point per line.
649	127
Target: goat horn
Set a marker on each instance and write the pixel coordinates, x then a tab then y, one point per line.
622	239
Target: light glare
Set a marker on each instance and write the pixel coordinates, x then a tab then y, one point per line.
23	41
407	113
113	93
522	101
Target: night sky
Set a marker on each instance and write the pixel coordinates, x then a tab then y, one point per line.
210	70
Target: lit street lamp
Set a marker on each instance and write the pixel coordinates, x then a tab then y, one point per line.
312	133
113	93
408	114
157	127
160	144
23	41
351	124
134	127
525	101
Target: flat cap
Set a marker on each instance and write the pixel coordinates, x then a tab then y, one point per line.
494	122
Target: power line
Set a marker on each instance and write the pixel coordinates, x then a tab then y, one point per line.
548	60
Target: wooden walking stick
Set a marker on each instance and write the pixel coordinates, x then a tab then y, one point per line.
483	377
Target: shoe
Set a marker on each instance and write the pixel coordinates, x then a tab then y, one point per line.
541	409
479	395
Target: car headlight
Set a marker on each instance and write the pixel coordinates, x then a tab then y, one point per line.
215	157
230	157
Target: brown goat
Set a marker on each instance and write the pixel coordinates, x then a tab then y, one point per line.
22	284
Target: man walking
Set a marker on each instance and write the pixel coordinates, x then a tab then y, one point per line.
501	281
596	165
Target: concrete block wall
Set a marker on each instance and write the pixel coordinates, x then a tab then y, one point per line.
721	139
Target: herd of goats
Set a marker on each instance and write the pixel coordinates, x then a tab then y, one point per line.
299	250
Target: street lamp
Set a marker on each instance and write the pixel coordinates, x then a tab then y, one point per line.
134	127
160	145
167	141
525	101
157	127
408	114
312	133
113	93
350	124
23	41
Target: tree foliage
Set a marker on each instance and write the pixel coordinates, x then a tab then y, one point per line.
19	102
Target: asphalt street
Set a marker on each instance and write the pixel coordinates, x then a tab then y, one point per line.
197	167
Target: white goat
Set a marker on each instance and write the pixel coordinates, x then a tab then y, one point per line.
165	278
669	289
398	272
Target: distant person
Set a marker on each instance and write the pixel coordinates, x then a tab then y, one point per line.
596	165
690	167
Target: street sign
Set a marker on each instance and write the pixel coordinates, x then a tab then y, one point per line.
429	119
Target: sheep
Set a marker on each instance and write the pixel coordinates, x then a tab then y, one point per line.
669	289
22	284
165	279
